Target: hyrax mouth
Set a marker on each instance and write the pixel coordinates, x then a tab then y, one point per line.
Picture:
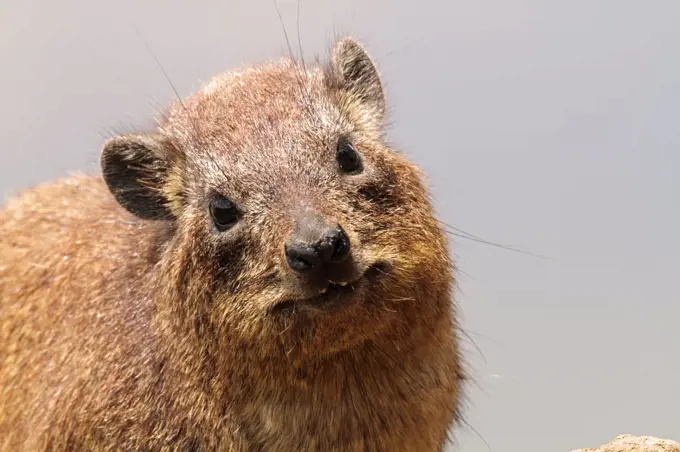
336	295
332	285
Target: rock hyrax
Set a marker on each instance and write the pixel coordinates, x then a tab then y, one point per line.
261	273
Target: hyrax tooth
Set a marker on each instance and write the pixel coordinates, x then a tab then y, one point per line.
342	283
323	290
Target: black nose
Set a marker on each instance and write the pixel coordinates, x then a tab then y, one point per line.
332	247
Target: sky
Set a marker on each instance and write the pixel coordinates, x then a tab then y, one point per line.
551	127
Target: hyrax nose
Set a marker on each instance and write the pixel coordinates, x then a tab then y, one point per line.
332	246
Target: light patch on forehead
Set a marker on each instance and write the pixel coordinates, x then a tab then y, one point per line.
215	83
325	118
222	80
210	87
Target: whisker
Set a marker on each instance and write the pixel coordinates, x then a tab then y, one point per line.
181	102
467	424
302	55
474	344
466	235
287	327
305	94
403	299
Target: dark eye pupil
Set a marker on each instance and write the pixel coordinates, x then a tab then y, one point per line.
348	157
224	213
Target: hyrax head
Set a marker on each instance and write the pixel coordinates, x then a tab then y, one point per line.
293	222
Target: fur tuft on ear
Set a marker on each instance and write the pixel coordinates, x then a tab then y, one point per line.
135	168
352	70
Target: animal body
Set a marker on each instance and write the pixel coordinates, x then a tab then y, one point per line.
261	273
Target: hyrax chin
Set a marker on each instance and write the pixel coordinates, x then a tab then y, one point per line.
261	273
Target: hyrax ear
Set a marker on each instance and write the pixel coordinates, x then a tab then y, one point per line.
135	168
353	71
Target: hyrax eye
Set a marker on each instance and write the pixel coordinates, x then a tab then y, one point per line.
348	158
223	212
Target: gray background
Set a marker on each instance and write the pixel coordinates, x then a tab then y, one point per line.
552	126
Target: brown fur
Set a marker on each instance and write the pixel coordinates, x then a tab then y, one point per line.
153	332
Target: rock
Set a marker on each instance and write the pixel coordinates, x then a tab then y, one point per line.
629	443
